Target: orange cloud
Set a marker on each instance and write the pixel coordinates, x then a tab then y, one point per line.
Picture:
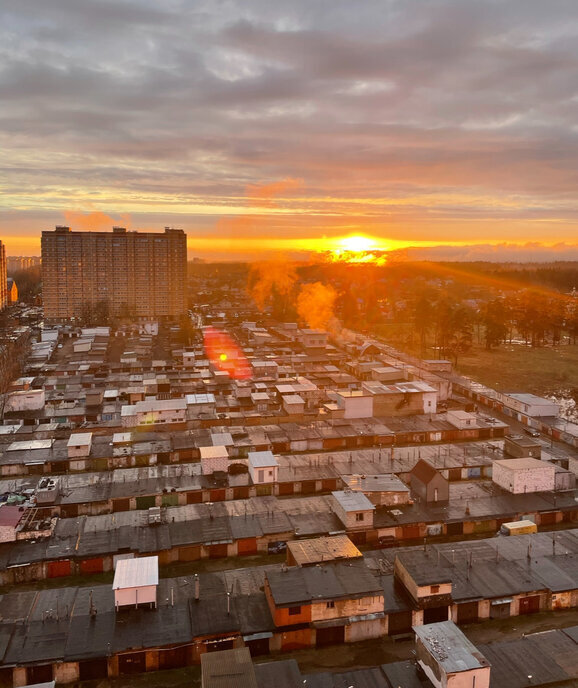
263	194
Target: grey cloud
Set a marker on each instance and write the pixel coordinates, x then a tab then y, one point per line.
390	97
527	253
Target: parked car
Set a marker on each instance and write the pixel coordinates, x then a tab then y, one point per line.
278	547
531	432
387	541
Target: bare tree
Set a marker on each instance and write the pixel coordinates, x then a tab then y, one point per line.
12	357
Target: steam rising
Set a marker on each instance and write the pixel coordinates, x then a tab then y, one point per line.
315	305
270	279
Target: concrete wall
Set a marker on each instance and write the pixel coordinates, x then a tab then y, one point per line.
387	404
212	464
343	609
522	480
28	400
7	534
356	407
269	474
350	519
465	679
133	596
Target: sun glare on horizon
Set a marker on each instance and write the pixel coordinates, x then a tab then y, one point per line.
358	248
357	243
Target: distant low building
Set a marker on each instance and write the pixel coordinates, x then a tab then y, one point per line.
214	460
461	419
353	509
355	403
429	484
520	476
402	398
340	601
381	490
11	290
136	581
263	467
313	339
529	404
154	412
520	447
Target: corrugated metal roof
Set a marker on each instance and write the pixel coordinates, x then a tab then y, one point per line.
353	501
262	459
136	573
323	549
450	647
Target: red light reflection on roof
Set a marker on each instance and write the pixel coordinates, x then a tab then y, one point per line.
225	354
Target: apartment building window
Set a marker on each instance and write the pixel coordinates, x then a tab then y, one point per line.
294	611
359	517
331	604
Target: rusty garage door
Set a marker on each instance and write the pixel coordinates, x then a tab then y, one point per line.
467	612
58	569
530	604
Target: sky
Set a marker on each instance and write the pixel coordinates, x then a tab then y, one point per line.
260	125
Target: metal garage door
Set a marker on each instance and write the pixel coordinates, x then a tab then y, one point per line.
530	604
190	553
218	551
335	635
120	505
173	658
58	569
455	528
145	502
435	614
92	565
92	669
399	622
500	609
39	674
170	499
247	546
467	612
133	663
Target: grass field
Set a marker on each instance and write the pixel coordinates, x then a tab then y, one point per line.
508	368
519	368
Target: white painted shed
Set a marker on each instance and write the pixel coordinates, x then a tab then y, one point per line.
136	581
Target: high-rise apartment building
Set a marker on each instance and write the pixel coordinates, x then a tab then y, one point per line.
16	263
138	274
3	278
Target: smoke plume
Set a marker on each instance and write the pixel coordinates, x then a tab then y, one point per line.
315	305
270	279
95	220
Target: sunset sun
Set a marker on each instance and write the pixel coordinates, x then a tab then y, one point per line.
357	243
